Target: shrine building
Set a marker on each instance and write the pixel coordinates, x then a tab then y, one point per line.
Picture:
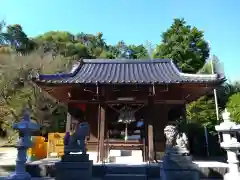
127	103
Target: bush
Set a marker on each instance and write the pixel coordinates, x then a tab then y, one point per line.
197	141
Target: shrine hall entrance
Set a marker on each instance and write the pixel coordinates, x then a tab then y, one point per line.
125	135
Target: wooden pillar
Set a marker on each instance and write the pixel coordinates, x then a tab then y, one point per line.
101	134
69	122
150	129
184	112
150	142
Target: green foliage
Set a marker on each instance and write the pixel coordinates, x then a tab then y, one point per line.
56	36
233	105
106	55
138	52
66	44
202	112
184	45
76	50
18	92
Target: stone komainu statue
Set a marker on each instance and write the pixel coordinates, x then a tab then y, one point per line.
76	142
182	141
175	141
170	133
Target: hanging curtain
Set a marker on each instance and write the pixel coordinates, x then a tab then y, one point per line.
82	107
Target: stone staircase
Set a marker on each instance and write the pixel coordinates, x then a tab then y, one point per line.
125	156
118	172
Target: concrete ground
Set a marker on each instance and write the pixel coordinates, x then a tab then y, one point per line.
8	158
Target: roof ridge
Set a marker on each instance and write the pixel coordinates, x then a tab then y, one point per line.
125	61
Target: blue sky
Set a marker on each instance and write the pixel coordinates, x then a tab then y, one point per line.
134	21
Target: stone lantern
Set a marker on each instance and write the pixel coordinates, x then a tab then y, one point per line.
25	128
228	129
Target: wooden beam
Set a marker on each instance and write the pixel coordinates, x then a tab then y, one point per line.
169	101
83	101
193	94
126	102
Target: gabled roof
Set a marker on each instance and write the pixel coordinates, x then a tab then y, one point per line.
158	71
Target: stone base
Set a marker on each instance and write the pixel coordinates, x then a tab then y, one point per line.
177	151
74	167
125	177
19	176
178	167
75	158
232	176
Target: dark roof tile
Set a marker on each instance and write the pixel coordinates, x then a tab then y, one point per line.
127	72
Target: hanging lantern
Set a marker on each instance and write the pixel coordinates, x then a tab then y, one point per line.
127	115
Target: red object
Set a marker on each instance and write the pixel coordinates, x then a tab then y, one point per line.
80	106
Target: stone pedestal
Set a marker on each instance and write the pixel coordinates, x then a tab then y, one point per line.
230	144
178	167
74	167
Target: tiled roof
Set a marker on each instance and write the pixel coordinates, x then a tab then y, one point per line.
127	72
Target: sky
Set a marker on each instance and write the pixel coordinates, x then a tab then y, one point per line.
134	21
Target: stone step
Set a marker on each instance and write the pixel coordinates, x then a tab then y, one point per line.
128	160
126	170
125	177
126	156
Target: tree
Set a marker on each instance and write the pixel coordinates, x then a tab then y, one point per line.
106	55
17	38
18	92
202	112
233	105
76	50
113	50
2	34
122	50
185	45
95	44
56	36
138	52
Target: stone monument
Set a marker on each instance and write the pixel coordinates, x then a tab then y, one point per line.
25	127
177	162
75	163
230	144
